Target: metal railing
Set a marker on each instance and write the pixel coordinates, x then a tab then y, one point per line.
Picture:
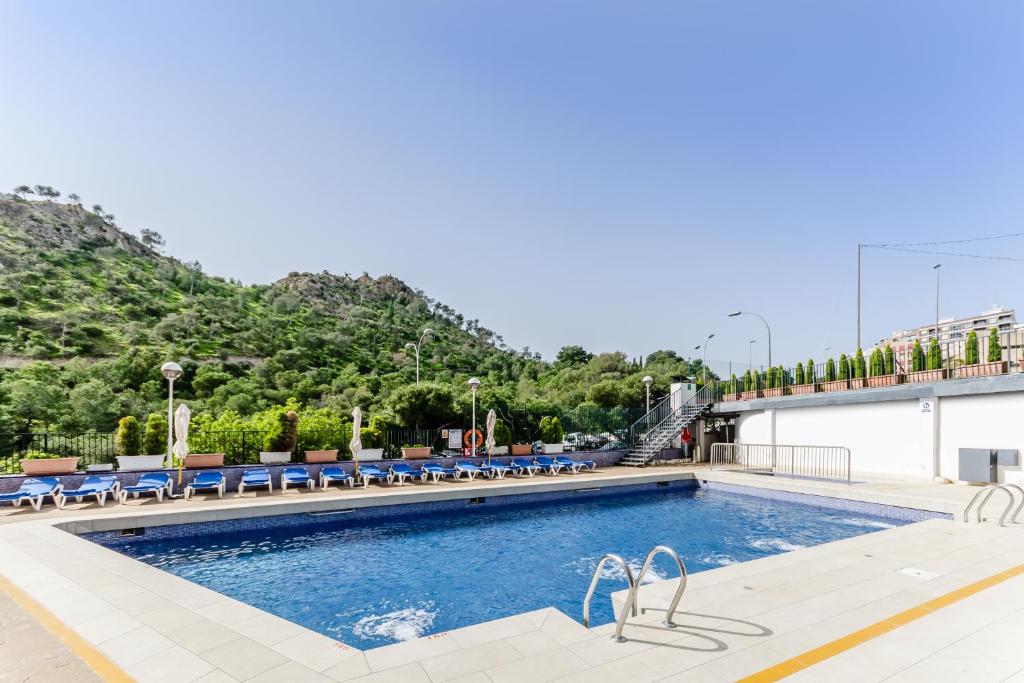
666	408
986	493
811	462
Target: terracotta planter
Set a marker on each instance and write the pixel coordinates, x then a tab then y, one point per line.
322	456
835	385
418	453
857	383
747	395
801	389
982	369
521	449
201	460
885	381
773	393
926	376
42	467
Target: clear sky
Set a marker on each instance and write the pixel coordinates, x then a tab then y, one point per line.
618	175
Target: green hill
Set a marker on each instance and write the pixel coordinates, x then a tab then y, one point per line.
88	312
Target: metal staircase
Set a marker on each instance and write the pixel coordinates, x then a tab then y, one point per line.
655	430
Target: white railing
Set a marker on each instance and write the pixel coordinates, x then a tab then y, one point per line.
812	462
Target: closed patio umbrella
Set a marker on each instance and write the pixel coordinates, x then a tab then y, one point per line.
182	416
489	442
356	444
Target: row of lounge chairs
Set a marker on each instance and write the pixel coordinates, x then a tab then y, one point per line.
160	484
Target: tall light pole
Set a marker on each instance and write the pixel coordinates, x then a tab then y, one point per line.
767	326
750	354
704	357
859	248
171	371
937	268
474	384
416	348
648	381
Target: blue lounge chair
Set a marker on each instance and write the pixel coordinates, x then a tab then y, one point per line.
400	472
547	464
34	490
368	473
91	486
256	479
523	466
437	472
498	469
575	465
332	473
206	481
295	476
157	483
470	470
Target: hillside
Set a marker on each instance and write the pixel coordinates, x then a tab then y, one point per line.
101	309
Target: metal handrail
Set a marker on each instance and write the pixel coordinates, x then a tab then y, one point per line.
698	400
1016	513
818	462
610	557
985	494
631	598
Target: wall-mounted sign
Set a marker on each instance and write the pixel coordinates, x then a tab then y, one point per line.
455	438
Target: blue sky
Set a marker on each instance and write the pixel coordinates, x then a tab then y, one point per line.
615	175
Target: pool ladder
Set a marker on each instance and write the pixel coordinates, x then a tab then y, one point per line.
634	584
986	493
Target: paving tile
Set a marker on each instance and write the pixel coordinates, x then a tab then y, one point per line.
244	658
107	626
407	673
352	667
470	660
175	665
289	672
618	671
391	656
134	646
546	666
267	629
169	617
202	635
315	651
216	676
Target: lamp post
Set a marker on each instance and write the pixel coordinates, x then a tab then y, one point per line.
474	384
648	381
704	357
767	326
937	268
171	371
416	348
750	354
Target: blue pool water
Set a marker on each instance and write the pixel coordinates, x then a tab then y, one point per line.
374	583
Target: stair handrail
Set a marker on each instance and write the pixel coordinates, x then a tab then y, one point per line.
1016	513
619	560
704	393
988	491
631	597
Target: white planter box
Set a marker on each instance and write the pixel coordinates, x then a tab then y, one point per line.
499	450
275	457
102	467
367	454
553	448
138	463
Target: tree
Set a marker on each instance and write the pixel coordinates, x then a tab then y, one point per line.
93	406
877	363
34	401
844	366
46	192
917	357
830	370
284	434
194	268
429	405
502	434
748	381
756	381
150	238
799	376
890	360
810	371
971	351
74	198
606	394
128	438
572	356
154	440
934	361
551	430
859	371
995	349
22	190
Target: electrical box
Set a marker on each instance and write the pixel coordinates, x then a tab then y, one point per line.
682	392
982	464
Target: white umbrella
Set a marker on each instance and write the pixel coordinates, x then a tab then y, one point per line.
182	416
489	442
356	444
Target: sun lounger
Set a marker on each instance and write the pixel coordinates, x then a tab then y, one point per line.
498	469
368	473
523	466
157	483
574	466
34	490
470	470
547	464
437	472
334	473
400	472
295	476
256	479
92	485
206	481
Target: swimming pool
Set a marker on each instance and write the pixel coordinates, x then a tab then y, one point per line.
423	570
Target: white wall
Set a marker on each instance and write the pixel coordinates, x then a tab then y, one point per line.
909	437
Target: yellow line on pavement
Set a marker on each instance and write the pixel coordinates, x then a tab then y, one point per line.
820	654
93	658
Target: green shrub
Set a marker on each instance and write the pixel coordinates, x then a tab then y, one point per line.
844	366
372	435
995	349
128	439
799	379
859	371
502	433
934	355
551	430
830	370
756	381
917	357
809	373
284	434
748	381
971	349
890	360
40	455
877	363
154	439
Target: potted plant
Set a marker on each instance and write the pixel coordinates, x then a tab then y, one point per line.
415	452
750	385
502	438
773	383
323	456
927	367
973	367
280	441
832	381
521	448
803	381
41	463
859	370
372	438
128	446
551	433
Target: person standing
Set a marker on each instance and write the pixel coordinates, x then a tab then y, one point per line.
685	438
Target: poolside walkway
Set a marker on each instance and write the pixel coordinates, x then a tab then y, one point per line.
901	604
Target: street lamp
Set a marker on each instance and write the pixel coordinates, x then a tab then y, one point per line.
648	381
733	315
416	347
171	371
937	268
474	384
704	357
750	354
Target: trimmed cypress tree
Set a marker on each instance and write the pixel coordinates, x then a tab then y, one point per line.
844	366
799	378
809	374
971	350
830	370
917	357
757	381
858	365
154	440
890	360
748	381
877	363
995	349
128	439
934	361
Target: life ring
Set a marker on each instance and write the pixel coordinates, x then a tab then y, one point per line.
469	442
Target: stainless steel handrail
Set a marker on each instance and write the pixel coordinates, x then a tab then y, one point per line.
985	494
817	462
1016	513
631	598
610	557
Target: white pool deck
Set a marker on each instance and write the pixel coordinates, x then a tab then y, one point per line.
734	621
